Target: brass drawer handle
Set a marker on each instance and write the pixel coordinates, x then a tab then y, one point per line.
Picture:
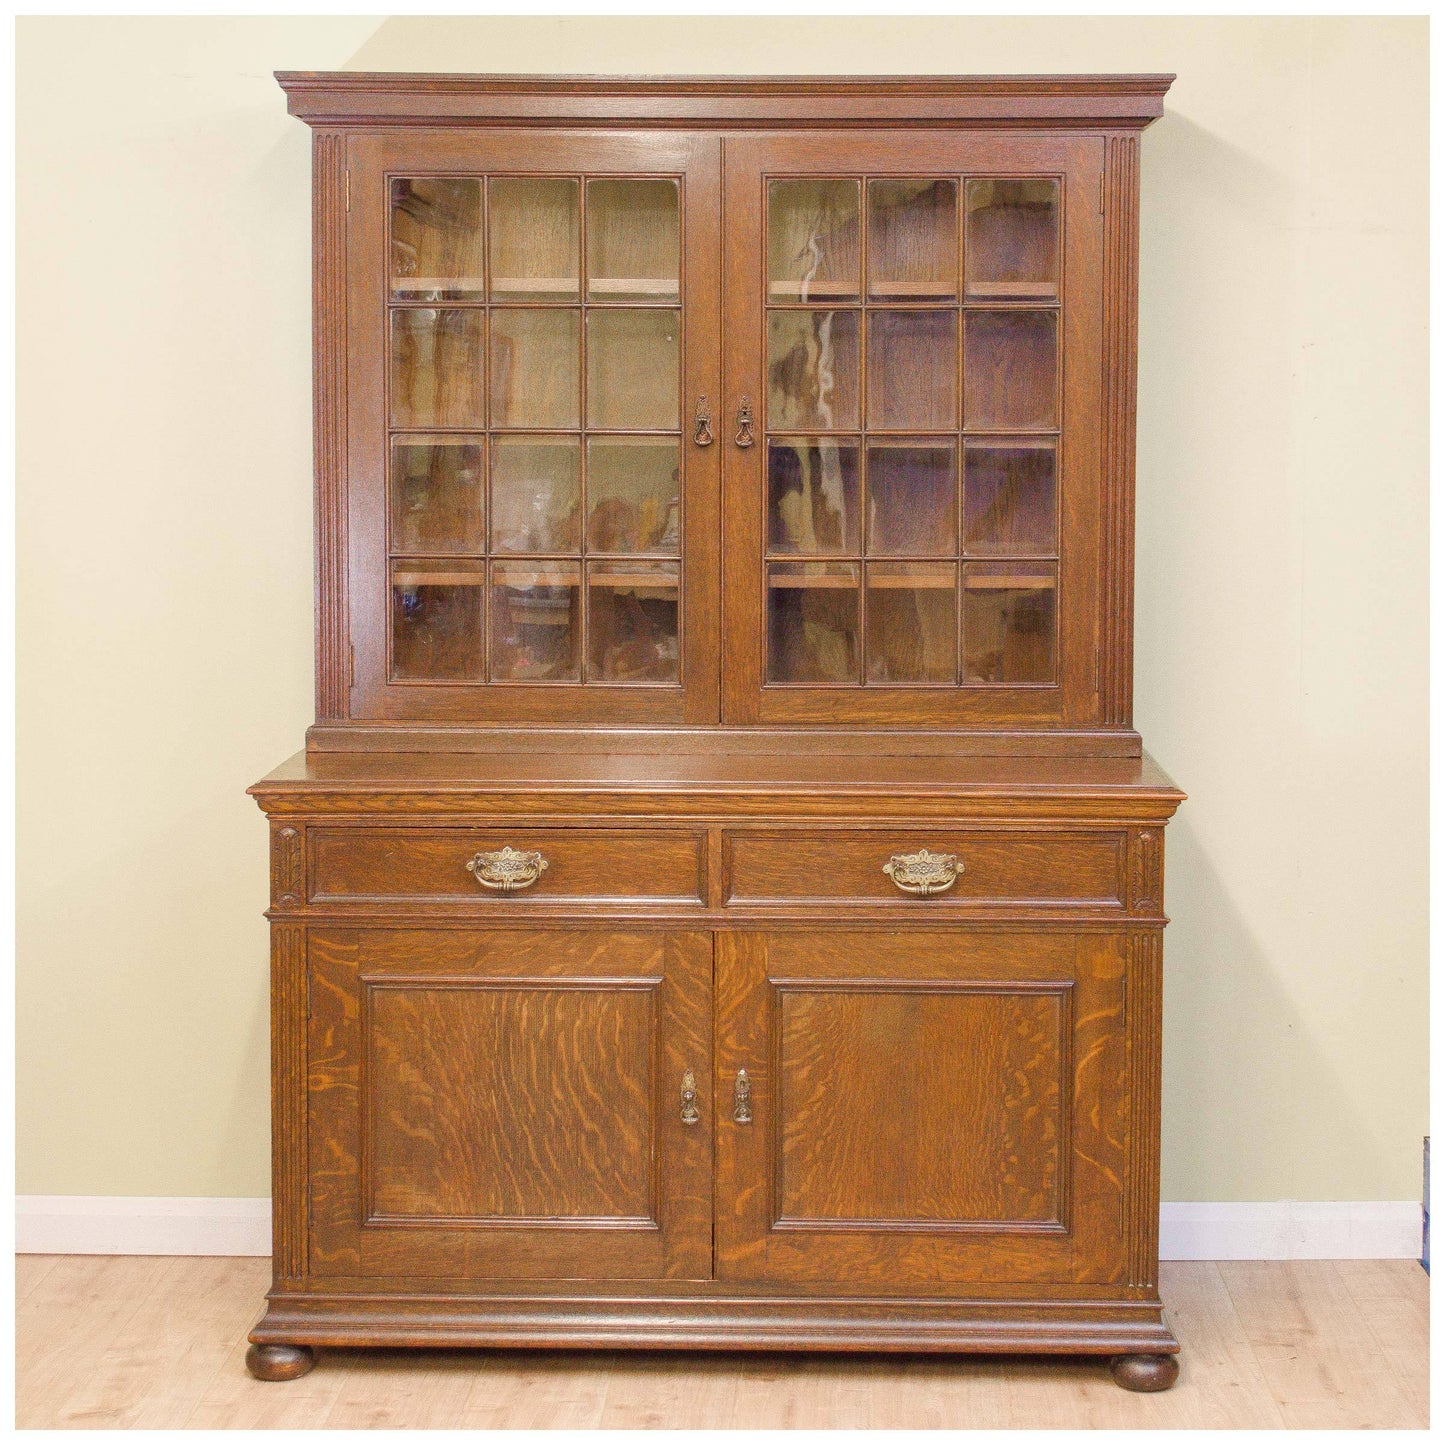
742	1098
689	1098
702	424
923	873
744	437
507	870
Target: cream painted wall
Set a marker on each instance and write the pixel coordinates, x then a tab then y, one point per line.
165	543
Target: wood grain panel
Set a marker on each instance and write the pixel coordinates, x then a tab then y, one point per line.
938	1105
1057	1090
569	1045
1061	867
499	1100
399	863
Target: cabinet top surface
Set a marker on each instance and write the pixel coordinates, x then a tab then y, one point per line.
362	97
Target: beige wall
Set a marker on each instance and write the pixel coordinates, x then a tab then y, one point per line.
165	545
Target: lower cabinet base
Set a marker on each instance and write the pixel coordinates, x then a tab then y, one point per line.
1134	1331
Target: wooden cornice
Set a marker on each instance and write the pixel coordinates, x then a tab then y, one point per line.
358	98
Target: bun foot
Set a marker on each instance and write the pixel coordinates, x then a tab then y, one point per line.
1145	1373
280	1362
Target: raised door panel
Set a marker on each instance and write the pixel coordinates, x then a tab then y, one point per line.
508	1104
925	1110
531	326
916	521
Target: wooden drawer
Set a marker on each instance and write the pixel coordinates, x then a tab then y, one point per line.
1072	869
591	864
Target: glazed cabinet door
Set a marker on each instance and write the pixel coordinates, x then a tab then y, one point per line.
531	511
913	370
510	1104
927	1109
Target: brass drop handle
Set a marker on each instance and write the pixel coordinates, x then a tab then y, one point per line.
744	437
690	1114
742	1098
507	870
702	424
923	873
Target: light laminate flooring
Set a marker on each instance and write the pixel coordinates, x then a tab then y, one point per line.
130	1342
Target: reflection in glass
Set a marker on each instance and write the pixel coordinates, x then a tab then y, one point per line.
534	621
1010	369
813	622
633	494
913	240
912	370
912	632
436	624
536	363
812	496
436	238
812	370
436	368
812	240
632	621
1012	238
632	240
1008	499
1009	622
911	491
632	361
437	487
536	494
533	230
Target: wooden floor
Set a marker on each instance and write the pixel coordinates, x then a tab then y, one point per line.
132	1342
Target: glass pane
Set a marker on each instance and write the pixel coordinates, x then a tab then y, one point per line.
813	622
1008	622
436	622
913	240
632	359
1013	238
913	370
1008	499
536	494
812	496
436	368
436	239
632	621
912	627
812	370
911	491
1010	369
533	227
632	494
812	240
534	621
632	248
535	368
437	487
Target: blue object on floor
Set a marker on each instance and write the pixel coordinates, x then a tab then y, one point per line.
1425	1242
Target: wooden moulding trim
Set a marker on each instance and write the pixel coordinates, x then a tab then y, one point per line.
682	1322
417	738
288	1100
347	98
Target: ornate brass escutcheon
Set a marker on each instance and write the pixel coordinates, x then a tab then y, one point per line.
508	870
702	424
744	437
742	1098
689	1098
923	873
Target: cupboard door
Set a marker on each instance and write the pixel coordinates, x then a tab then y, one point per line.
917	535
531	329
509	1104
922	1109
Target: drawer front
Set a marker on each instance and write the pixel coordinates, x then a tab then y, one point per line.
993	867
597	864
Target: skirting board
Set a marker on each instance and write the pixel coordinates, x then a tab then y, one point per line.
101	1224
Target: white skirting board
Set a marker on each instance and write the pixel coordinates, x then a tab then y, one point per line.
100	1224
